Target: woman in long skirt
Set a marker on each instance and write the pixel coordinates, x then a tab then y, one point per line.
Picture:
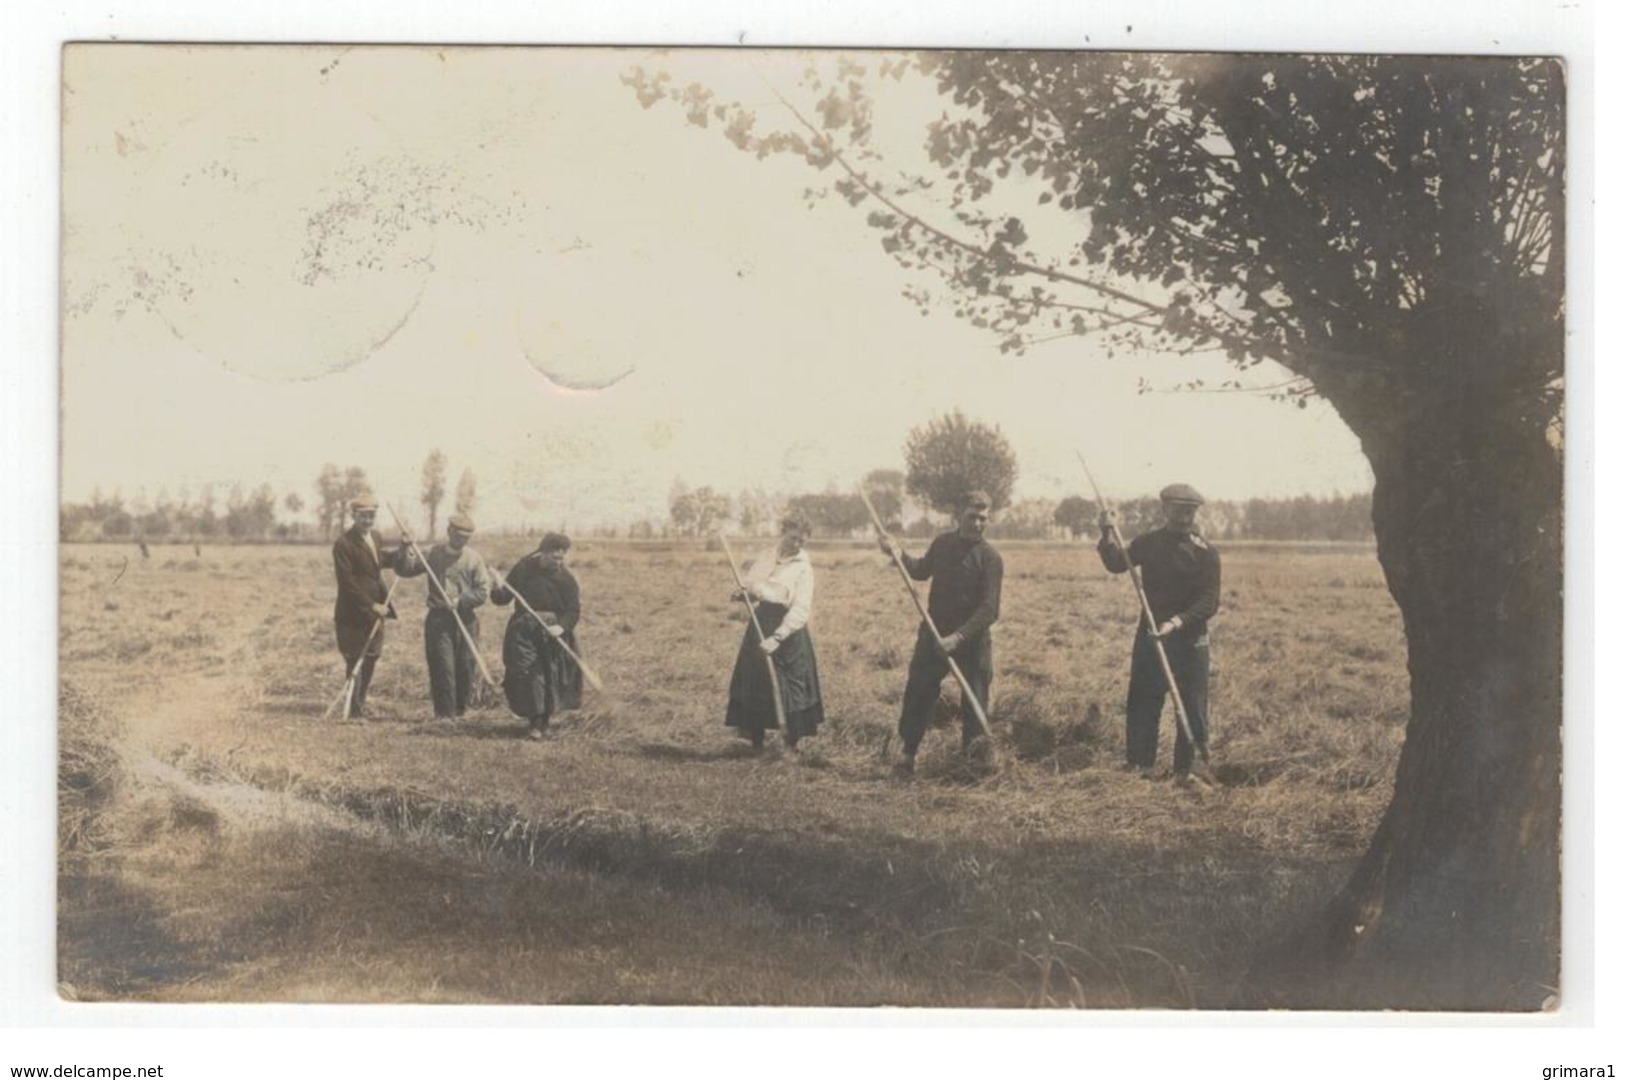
781	588
539	679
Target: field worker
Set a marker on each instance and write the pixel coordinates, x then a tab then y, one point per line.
966	576
539	679
358	565
463	575
781	584
1180	571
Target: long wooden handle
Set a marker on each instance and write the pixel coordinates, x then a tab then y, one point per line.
347	695
473	645
772	668
1149	617
1162	651
936	636
586	672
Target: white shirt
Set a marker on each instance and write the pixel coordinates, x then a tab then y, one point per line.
788	582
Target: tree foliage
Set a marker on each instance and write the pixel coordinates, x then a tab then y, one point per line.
832	513
468	492
1076	515
886	488
432	490
1323	212
950	456
251	516
699	512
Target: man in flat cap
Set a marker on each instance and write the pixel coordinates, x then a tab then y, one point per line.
1180	572
967	576
465	585
362	604
538	679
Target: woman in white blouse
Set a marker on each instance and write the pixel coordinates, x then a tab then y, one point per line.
781	585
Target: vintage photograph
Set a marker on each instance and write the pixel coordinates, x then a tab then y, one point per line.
811	527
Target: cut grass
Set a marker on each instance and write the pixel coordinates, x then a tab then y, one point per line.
1054	880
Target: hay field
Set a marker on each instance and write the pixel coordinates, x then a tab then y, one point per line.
244	850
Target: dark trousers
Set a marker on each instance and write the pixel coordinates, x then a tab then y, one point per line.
364	644
925	674
452	668
363	679
1147	687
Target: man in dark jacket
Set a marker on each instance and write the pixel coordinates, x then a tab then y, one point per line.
360	609
1180	571
967	576
539	680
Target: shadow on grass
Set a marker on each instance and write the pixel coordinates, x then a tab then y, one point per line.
739	751
112	942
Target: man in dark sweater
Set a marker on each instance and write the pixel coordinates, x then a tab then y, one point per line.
966	577
1180	571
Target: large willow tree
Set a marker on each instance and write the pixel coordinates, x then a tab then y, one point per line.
1390	230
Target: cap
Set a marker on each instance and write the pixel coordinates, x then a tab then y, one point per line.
555	541
364	502
461	522
976	500
1182	493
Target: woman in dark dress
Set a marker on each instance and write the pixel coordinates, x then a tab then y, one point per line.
539	679
780	585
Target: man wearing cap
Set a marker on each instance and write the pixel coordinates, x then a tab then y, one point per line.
538	679
1180	572
358	565
465	585
967	576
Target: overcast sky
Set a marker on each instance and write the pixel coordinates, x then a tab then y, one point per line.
280	257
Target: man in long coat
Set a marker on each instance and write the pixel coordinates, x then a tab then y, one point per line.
362	604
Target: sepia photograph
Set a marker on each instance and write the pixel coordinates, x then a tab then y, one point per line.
995	529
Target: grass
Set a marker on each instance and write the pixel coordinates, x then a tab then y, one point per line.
813	879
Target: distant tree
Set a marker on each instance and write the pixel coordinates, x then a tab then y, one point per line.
712	510
886	488
1025	519
294	504
699	512
329	505
250	517
755	511
953	455
467	492
355	483
832	513
116	520
206	522
1076	515
433	490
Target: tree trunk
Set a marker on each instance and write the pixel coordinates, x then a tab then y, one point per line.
1456	903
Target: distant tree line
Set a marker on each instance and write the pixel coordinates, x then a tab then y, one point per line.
245	515
1301	517
841	514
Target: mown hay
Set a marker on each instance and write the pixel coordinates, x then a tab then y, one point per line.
89	769
1042	725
